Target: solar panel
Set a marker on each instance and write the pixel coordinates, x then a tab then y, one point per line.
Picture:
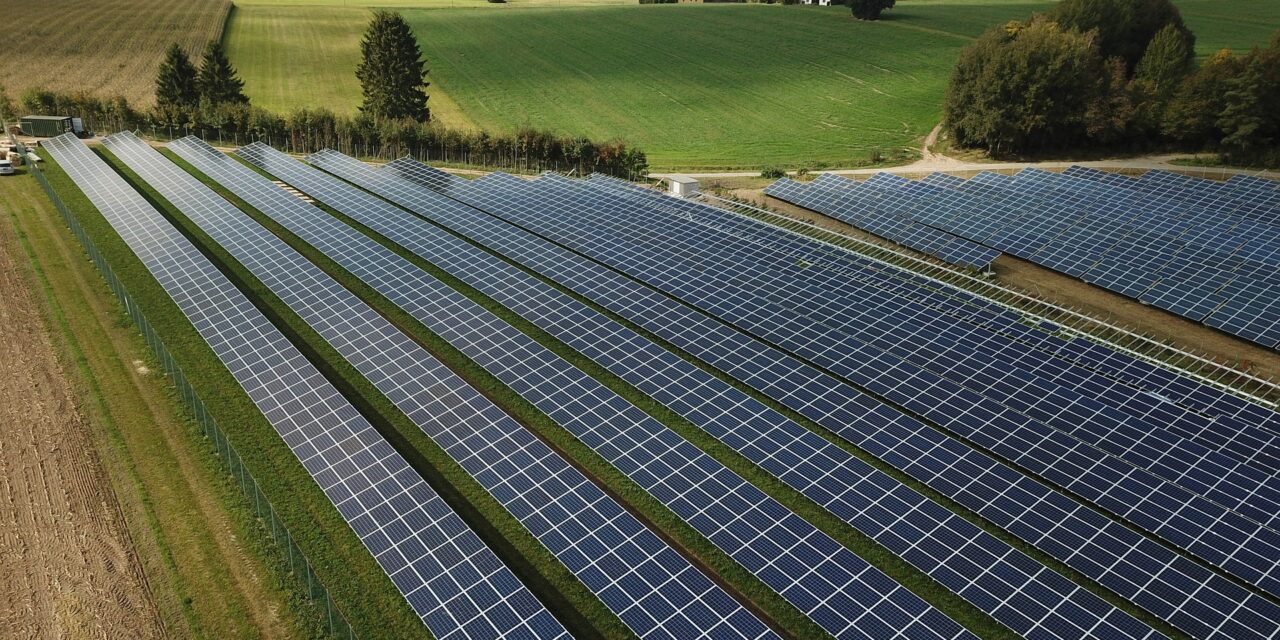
1088	227
1162	507
946	349
936	341
872	502
1085	540
838	590
1163	382
652	588
451	580
892	226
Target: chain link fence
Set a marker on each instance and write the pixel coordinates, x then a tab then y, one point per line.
334	620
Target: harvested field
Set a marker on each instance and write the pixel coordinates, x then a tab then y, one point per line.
103	47
67	559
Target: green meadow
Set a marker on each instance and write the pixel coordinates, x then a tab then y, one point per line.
695	86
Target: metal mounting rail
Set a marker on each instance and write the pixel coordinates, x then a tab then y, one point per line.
1232	378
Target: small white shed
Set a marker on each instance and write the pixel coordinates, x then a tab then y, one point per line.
682	186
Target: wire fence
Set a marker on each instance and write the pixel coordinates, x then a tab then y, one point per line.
299	566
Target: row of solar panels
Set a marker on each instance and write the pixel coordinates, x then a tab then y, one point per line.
1203	250
836	589
537	207
487	194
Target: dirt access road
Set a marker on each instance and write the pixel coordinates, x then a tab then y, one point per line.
67	565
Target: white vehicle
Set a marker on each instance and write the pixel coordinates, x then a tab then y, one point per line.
6	168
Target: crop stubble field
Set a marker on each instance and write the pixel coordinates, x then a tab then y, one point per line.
695	86
103	47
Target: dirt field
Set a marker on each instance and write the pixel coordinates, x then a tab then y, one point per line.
197	546
67	561
107	48
1070	292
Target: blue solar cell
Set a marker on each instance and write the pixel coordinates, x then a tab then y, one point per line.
813	466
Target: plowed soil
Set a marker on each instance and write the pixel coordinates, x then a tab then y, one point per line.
67	565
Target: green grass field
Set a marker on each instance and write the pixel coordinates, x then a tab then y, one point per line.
695	86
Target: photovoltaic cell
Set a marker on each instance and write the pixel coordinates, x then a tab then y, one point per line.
1083	539
875	504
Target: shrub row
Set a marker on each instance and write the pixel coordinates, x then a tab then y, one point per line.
308	130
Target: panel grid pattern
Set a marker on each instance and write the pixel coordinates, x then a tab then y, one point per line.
652	588
823	579
1224	538
836	588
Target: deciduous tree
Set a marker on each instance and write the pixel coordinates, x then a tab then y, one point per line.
869	9
1124	26
1025	87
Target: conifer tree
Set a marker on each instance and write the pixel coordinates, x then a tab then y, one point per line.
176	80
392	72
217	81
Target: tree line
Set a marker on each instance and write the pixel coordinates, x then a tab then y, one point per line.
1113	75
393	119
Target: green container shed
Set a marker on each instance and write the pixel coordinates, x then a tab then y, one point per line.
45	126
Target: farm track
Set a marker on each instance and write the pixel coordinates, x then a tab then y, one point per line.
65	551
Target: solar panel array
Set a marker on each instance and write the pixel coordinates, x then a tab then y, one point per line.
1203	251
934	539
1152	486
733	275
894	226
448	576
838	590
535	207
651	587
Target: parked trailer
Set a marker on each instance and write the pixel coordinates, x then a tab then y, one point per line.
52	126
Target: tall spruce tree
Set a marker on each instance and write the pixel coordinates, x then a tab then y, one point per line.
176	80
217	81
392	71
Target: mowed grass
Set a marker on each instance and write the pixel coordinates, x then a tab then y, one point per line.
695	86
1238	25
104	47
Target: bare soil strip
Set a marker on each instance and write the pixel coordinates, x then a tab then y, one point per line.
67	565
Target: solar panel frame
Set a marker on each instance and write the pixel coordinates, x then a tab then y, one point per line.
616	556
805	565
947	349
822	471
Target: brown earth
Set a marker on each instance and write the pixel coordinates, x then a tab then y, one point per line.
67	564
205	576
